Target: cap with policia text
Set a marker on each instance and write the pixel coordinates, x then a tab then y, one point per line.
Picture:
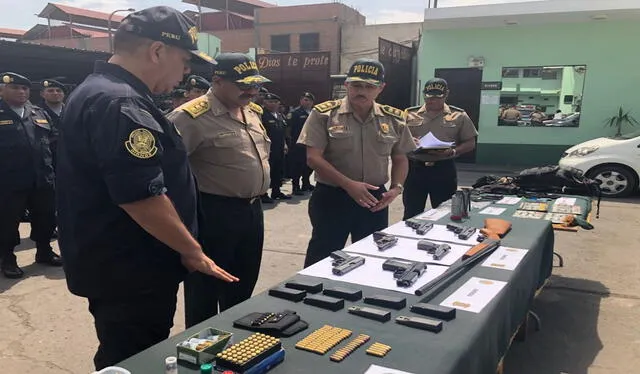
167	25
196	81
52	83
436	87
309	96
238	68
366	70
13	78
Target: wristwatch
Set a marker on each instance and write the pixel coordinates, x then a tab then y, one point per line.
398	186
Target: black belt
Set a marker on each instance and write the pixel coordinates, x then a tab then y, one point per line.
243	200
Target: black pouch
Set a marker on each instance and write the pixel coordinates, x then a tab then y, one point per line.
279	324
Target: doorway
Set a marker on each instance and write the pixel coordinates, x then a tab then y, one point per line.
464	87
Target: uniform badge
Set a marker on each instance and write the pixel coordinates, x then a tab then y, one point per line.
42	121
141	144
6	122
384	128
336	129
6	79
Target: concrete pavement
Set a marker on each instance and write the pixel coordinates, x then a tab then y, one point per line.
588	311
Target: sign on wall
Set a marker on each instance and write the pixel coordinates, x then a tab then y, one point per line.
295	73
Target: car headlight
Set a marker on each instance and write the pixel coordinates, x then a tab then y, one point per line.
583	151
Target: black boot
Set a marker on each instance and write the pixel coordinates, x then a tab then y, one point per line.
296	190
10	268
277	195
307	186
46	256
266	199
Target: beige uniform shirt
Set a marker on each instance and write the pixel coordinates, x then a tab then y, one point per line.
358	150
452	125
511	114
229	157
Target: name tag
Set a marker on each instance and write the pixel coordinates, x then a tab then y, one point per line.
6	122
225	134
42	121
337	129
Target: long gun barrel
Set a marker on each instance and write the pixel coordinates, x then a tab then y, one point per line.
344	262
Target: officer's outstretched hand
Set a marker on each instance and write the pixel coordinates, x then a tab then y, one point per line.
200	262
359	191
387	198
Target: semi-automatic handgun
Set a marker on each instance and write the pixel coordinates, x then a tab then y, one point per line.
344	262
405	272
383	240
437	250
421	227
463	232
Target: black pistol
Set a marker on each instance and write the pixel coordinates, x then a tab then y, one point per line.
437	250
420	226
405	272
463	232
383	240
344	262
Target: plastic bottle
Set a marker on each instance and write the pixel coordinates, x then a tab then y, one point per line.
206	369
171	365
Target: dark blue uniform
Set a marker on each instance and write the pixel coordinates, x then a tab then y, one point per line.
116	147
300	171
55	122
276	128
26	181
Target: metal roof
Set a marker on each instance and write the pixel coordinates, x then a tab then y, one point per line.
11	33
245	7
67	13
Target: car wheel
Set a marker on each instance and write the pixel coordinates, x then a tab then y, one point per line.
614	180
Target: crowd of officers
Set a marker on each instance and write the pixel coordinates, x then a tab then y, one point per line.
146	199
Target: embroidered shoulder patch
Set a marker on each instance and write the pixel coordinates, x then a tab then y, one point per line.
327	106
395	112
196	107
141	144
256	108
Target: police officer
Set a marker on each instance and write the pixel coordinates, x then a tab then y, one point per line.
300	171
277	130
53	93
228	149
178	97
349	143
126	196
26	175
511	116
196	87
436	178
538	117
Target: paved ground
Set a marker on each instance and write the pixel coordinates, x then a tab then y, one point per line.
589	312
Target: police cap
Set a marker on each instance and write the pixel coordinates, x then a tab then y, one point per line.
366	70
196	81
436	87
309	96
178	93
238	68
271	96
13	78
52	83
167	25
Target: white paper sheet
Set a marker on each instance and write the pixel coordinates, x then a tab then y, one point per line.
509	200
493	211
505	258
437	233
406	249
474	295
371	274
565	201
480	204
430	141
375	369
433	214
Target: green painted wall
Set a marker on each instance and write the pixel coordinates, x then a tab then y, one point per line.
608	49
208	43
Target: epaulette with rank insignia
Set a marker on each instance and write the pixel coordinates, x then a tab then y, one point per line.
196	107
413	108
327	106
395	112
456	109
256	108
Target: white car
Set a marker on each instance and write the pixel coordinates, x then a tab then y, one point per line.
614	162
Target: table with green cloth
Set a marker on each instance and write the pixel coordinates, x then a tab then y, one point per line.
471	343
